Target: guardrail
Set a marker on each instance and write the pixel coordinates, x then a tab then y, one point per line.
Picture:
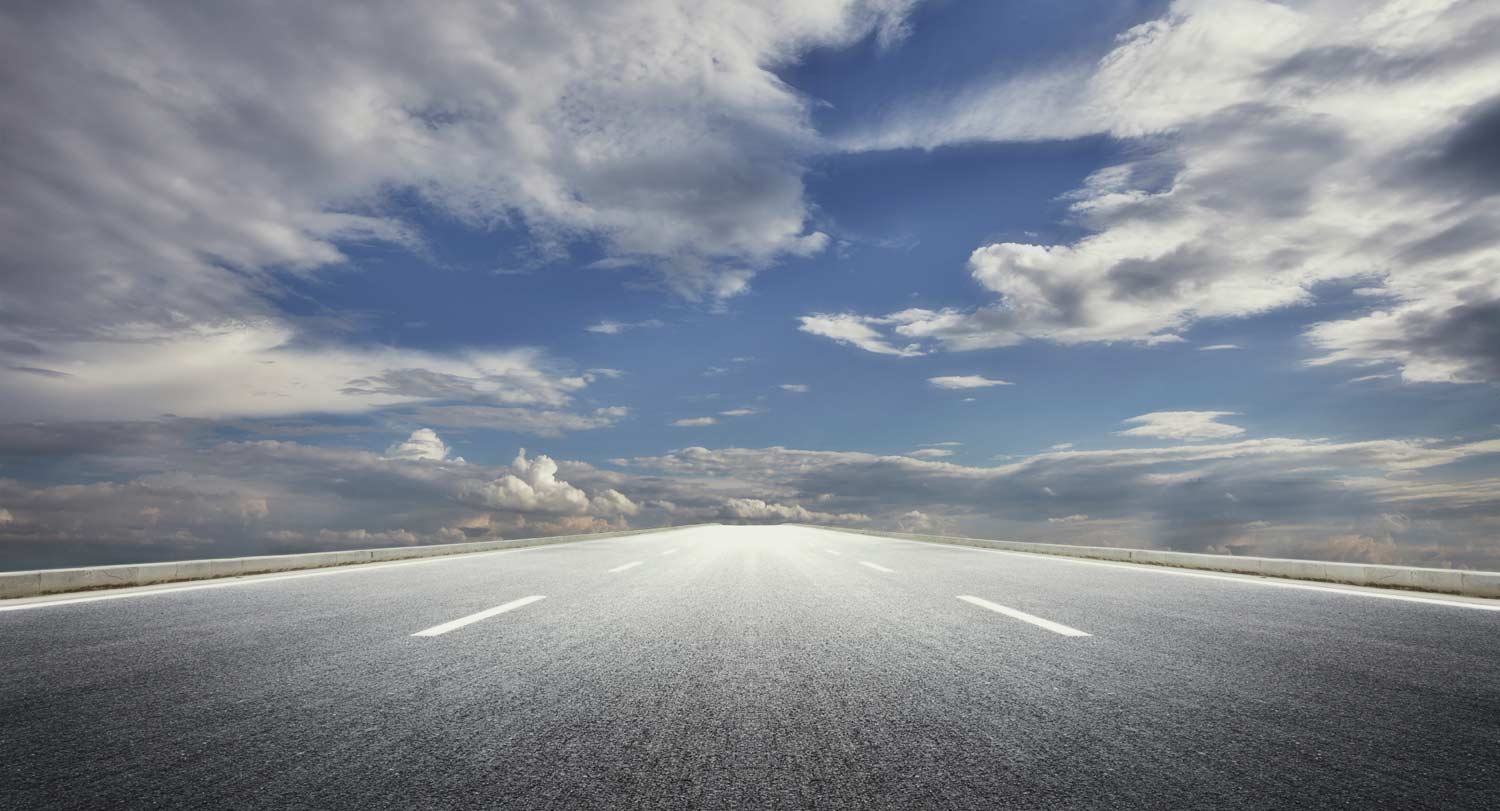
1446	581
54	581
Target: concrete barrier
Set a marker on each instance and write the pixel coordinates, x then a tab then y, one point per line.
54	581
1445	581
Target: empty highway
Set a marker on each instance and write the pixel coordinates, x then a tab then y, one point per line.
754	668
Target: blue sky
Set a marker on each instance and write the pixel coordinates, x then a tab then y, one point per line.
1221	277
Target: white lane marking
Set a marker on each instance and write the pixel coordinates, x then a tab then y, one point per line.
877	567
1054	627
251	580
630	565
669	552
1252	580
44	601
439	630
833	551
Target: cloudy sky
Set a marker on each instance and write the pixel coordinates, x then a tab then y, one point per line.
1210	275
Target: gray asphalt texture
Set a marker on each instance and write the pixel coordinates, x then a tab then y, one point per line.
751	669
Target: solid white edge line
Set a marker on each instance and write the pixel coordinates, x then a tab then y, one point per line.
439	630
630	565
1054	627
46	601
251	580
1250	580
877	567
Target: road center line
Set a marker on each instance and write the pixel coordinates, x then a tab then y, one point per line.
630	565
877	567
439	630
833	551
1054	627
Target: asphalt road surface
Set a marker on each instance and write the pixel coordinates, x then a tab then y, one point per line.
754	668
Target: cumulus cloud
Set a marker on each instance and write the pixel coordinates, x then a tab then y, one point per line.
530	486
423	445
738	412
961	382
1182	425
1280	148
612	502
694	422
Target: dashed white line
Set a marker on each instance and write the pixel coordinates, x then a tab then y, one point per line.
877	567
834	552
439	630
1054	627
630	565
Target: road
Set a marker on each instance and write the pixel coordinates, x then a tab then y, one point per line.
754	668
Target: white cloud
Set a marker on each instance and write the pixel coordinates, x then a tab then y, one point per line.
166	171
1218	347
423	445
617	327
930	453
915	521
753	509
960	382
1182	425
261	369
537	422
796	388
1280	148
202	146
5	516
164	493
694	422
530	486
1062	446
612	502
1293	495
855	331
738	412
